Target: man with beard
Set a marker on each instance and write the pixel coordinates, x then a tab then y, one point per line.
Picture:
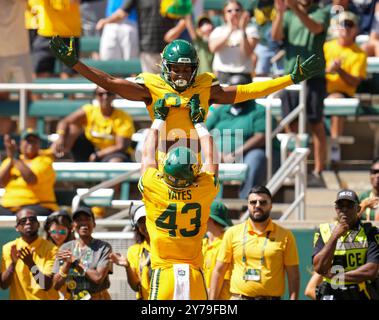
261	252
84	264
27	262
346	253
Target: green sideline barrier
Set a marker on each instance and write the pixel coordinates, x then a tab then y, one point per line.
304	240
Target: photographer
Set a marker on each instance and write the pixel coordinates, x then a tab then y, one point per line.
346	253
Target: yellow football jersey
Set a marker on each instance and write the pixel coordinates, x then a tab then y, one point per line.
177	220
178	122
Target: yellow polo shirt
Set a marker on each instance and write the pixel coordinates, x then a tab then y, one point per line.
19	193
354	62
279	250
210	251
137	257
23	286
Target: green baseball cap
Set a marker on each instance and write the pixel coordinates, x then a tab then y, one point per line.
219	213
29	132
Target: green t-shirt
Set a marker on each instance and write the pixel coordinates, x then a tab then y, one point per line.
298	40
205	56
232	131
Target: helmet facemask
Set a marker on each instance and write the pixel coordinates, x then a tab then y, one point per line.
179	84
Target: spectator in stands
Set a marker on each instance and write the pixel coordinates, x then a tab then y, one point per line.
151	30
178	85
239	130
28	177
91	11
267	50
346	253
58	227
345	69
303	29
119	39
137	264
217	223
372	46
369	200
15	59
233	43
257	274
84	264
27	262
365	9
199	37
58	230
178	201
336	8
60	18
96	132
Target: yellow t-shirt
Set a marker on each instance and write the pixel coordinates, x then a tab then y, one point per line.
177	220
57	17
102	131
19	193
23	285
210	251
138	257
178	122
354	62
279	250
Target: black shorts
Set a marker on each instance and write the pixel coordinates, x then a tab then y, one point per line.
83	148
316	93
44	59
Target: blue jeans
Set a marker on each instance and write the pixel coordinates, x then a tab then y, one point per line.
256	169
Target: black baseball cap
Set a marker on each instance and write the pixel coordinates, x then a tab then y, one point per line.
84	210
347	194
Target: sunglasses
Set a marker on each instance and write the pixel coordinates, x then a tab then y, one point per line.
349	205
262	202
23	221
61	232
347	24
108	94
374	171
231	10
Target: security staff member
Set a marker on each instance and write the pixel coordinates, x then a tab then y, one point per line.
346	253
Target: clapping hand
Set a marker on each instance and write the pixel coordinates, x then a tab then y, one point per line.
306	70
26	256
10	146
197	113
119	259
160	110
67	54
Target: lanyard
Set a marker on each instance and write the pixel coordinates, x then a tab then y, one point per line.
244	258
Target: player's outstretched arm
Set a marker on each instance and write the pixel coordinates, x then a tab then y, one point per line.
152	138
197	114
125	88
235	94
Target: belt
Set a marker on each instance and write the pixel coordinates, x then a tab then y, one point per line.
243	297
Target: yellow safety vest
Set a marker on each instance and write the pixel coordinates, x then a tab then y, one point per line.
351	249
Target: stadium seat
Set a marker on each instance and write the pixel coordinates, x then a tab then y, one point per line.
122	68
